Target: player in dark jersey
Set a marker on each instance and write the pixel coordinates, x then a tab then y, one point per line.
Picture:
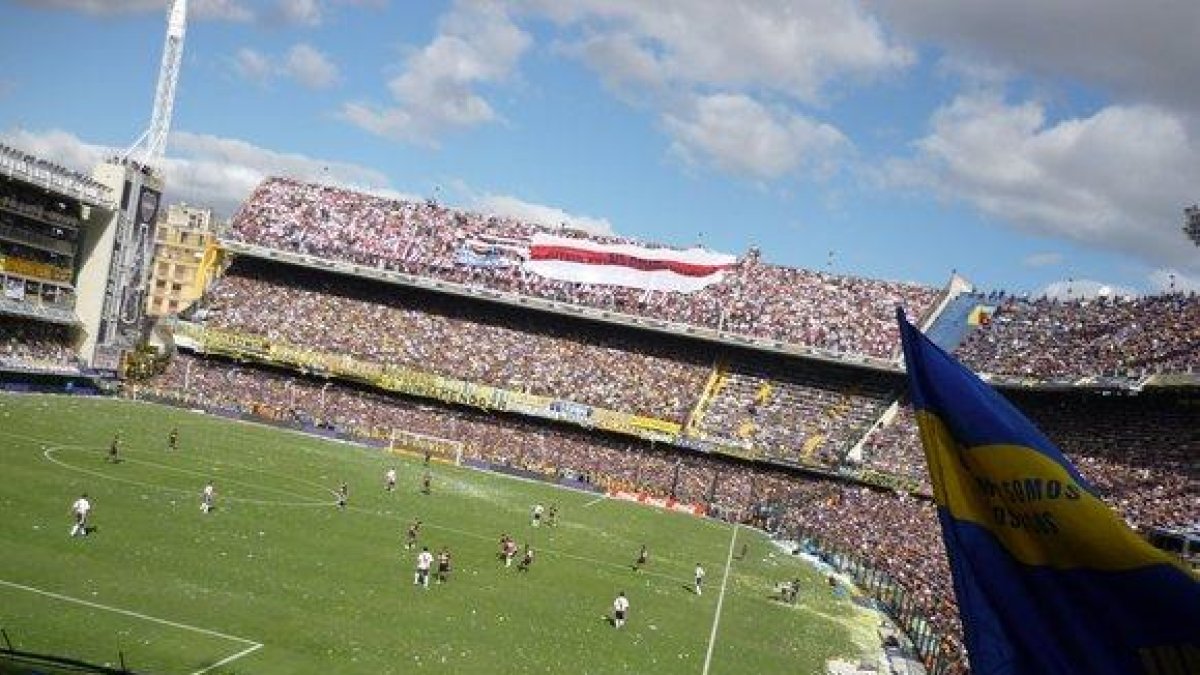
173	439
642	559
114	449
443	565
426	484
552	516
526	560
411	537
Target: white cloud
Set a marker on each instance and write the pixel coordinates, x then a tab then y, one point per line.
1169	279
1115	180
1143	52
1046	259
303	63
791	47
310	67
299	12
252	65
220	10
217	10
208	170
549	216
1076	289
737	134
477	44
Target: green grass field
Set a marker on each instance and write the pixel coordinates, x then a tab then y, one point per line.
278	580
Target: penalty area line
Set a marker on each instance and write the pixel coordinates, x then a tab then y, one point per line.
597	500
712	636
253	646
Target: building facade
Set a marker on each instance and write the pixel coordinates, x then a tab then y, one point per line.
184	256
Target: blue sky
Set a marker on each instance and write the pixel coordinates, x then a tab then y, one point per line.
1020	144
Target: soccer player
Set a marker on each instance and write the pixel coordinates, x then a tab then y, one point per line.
642	559
80	510
114	448
552	516
389	480
526	560
510	550
536	516
173	439
699	578
411	537
443	562
620	607
427	455
424	560
426	484
208	498
343	495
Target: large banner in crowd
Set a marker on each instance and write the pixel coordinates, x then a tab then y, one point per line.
652	269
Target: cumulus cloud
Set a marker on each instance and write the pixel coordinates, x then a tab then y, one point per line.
310	67
1168	280
217	10
1078	289
1136	51
252	65
791	47
549	216
208	170
299	12
303	63
477	45
1115	180
735	133
1046	259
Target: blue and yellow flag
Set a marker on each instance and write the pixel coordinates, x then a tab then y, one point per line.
1049	580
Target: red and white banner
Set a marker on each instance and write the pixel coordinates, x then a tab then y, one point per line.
583	261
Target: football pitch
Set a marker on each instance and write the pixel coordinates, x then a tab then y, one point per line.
279	580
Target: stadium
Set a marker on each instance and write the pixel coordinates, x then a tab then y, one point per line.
727	442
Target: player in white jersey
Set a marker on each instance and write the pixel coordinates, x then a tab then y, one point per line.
699	577
620	607
536	516
424	561
208	498
80	510
389	480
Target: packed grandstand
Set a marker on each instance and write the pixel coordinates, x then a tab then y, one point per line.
317	323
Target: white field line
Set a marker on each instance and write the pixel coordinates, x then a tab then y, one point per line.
712	636
49	452
597	500
253	646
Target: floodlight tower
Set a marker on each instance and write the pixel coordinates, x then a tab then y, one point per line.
137	176
153	141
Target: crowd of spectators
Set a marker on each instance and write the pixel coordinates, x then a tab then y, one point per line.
476	342
895	449
1068	339
839	313
35	345
801	413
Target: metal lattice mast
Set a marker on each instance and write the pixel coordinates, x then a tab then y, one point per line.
155	138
